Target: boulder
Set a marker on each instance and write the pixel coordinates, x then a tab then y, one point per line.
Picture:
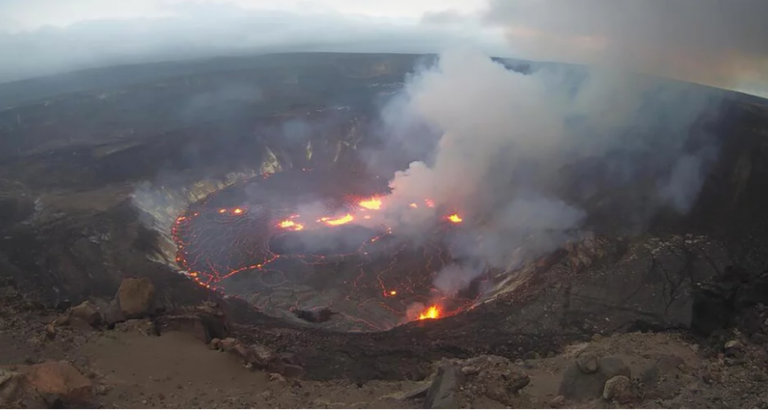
113	313
587	362
618	388
415	393
62	320
60	380
557	402
190	324
580	386
51	384
11	388
50	331
442	392
260	357
136	297
16	392
226	345
87	312
470	370
203	327
206	322
494	377
733	348
292	371
460	382
285	363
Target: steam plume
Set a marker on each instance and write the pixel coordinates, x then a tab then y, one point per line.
506	139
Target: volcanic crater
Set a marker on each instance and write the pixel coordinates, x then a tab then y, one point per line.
168	177
292	241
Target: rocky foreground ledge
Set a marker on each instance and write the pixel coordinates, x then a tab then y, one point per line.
132	352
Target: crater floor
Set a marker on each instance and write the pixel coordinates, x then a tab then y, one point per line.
267	242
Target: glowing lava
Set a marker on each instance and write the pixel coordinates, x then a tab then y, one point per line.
380	274
373	203
455	218
433	312
288	224
338	221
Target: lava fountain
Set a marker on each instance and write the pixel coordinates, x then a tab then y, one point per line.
432	312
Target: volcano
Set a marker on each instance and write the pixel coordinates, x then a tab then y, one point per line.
206	199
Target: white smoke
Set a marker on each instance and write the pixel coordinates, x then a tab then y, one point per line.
505	139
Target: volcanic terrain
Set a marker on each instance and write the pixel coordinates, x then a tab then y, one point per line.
233	202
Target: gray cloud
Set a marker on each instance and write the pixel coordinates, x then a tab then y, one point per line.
198	30
723	43
715	42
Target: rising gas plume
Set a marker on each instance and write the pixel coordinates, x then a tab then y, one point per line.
506	140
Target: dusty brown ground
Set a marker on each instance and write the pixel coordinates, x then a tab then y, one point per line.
175	370
130	369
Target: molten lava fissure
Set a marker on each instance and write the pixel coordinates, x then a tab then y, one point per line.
269	254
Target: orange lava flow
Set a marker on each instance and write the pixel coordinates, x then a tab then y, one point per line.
455	218
433	312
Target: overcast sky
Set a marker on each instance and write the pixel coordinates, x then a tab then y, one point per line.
716	42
